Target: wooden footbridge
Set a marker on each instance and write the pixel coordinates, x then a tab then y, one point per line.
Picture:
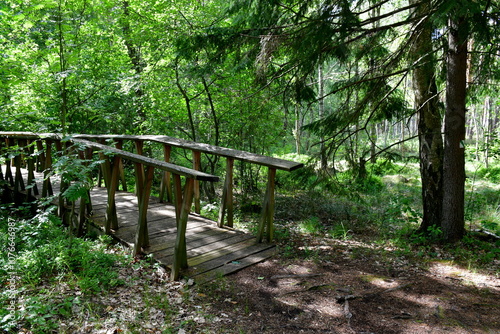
45	165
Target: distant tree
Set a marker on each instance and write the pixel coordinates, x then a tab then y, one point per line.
299	35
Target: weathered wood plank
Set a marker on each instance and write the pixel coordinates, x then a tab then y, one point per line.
233	266
203	244
227	258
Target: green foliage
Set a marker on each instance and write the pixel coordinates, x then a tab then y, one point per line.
491	174
44	251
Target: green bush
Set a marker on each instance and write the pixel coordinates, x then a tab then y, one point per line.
44	250
491	173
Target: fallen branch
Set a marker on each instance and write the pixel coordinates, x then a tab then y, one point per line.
275	277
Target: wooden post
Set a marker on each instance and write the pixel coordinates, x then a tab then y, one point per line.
31	172
1	154
119	145
139	145
40	165
19	182
227	196
110	174
267	220
180	253
62	186
142	237
47	185
178	196
197	166
8	163
166	186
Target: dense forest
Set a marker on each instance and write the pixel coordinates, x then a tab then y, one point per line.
361	91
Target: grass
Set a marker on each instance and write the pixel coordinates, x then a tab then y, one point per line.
386	211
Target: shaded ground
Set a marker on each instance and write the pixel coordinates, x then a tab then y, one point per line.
350	288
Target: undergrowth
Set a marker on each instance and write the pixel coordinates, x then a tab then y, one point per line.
41	257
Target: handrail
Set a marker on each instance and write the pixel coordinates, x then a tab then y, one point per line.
266	225
259	159
113	168
112	160
169	167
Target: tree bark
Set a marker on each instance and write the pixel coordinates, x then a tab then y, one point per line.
453	224
138	63
429	122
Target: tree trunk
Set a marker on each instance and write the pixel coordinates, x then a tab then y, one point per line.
453	223
138	63
429	123
321	113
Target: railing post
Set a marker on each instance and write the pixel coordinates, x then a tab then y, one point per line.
143	193
63	184
267	220
47	185
31	171
110	174
119	145
180	253
139	147
40	163
19	182
227	196
1	154
166	186
8	162
85	201
196	187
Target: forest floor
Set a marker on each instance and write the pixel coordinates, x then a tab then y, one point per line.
337	273
339	286
354	287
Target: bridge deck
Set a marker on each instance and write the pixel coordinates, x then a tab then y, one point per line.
212	251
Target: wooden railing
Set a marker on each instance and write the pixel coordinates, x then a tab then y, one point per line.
266	225
41	160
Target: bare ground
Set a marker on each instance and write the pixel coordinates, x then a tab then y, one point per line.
349	288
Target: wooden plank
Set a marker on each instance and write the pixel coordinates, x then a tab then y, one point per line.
227	258
219	252
202	244
233	266
161	240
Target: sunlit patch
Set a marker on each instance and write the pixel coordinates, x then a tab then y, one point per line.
380	281
450	271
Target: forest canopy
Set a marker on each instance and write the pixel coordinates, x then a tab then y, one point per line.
343	82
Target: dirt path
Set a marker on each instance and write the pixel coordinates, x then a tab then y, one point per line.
351	290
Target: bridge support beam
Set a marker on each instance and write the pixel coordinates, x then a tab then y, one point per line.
182	213
196	189
267	221
143	193
166	184
226	206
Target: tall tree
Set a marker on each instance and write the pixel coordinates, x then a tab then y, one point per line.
454	131
429	117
